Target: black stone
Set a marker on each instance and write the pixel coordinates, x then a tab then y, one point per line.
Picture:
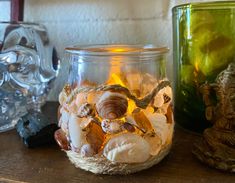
36	130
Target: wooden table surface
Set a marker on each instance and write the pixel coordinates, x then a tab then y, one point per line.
50	164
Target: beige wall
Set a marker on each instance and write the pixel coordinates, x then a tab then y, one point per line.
102	21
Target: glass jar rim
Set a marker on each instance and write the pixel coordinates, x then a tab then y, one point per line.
116	50
206	5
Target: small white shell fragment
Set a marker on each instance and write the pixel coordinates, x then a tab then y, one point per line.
62	97
77	135
127	148
160	125
87	150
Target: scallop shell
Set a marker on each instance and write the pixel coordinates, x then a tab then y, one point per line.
127	148
112	105
111	126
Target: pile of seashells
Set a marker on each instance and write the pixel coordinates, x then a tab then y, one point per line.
112	124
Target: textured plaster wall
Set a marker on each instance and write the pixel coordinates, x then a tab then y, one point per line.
103	21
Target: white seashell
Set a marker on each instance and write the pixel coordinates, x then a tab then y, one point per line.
76	134
127	148
111	126
160	125
72	107
87	150
62	97
155	143
163	99
64	119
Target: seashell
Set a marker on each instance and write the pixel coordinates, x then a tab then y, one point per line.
76	134
64	119
87	150
161	127
59	113
163	99
155	143
134	82
143	122
81	98
85	123
112	105
85	110
169	115
93	97
127	148
111	126
129	127
95	136
61	139
72	107
62	97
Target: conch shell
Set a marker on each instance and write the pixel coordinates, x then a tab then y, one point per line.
112	105
127	148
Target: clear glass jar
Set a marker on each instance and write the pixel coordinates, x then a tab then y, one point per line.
115	112
204	46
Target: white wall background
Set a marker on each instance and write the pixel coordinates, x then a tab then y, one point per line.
4	10
102	21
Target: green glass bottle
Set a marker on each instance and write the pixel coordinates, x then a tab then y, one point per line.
204	45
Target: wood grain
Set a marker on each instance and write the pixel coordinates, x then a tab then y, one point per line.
50	164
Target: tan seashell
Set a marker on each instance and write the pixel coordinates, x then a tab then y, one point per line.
111	126
112	105
95	136
143	122
61	139
86	110
76	133
169	115
127	148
